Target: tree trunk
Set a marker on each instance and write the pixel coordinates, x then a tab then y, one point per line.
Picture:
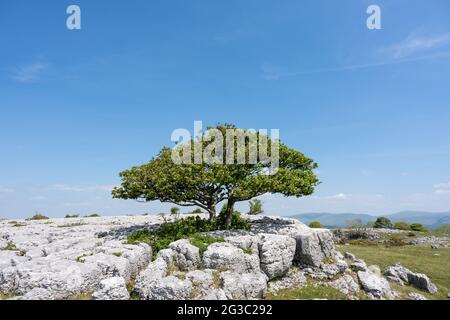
229	212
212	213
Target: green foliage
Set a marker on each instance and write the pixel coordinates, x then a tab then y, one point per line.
402	225
197	211
383	223
316	225
310	292
174	211
94	215
207	184
202	241
72	216
38	216
418	227
444	229
422	259
182	229
255	207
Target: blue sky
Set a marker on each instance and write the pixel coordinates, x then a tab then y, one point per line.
372	107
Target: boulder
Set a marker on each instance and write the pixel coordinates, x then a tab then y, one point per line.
376	287
276	253
349	256
222	255
244	285
359	265
187	256
155	271
169	288
112	289
345	284
312	245
401	275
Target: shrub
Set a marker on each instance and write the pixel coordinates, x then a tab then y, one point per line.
315	225
402	225
174	211
444	229
94	215
38	216
184	229
202	241
418	227
68	216
255	207
197	211
383	223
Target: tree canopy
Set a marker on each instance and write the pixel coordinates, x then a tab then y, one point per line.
206	184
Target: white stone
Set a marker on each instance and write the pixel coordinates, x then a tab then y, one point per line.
112	289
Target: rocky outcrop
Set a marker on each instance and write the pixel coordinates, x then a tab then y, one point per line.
401	275
375	286
276	254
244	285
225	256
187	256
112	289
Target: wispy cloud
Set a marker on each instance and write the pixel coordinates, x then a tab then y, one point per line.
415	44
28	73
412	49
442	188
69	188
6	190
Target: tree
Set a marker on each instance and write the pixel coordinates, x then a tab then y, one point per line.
418	227
255	207
355	224
316	225
174	211
400	225
207	184
383	223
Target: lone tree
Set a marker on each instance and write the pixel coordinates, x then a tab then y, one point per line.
383	223
208	183
255	207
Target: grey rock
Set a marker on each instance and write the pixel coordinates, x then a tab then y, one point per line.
226	256
155	271
170	288
112	289
376	287
276	253
359	265
401	275
214	294
36	294
295	278
416	296
244	285
345	284
349	256
187	256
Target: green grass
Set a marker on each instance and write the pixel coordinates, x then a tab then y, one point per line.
310	292
435	263
5	296
202	241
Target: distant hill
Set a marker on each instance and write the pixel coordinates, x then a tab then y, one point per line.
338	220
